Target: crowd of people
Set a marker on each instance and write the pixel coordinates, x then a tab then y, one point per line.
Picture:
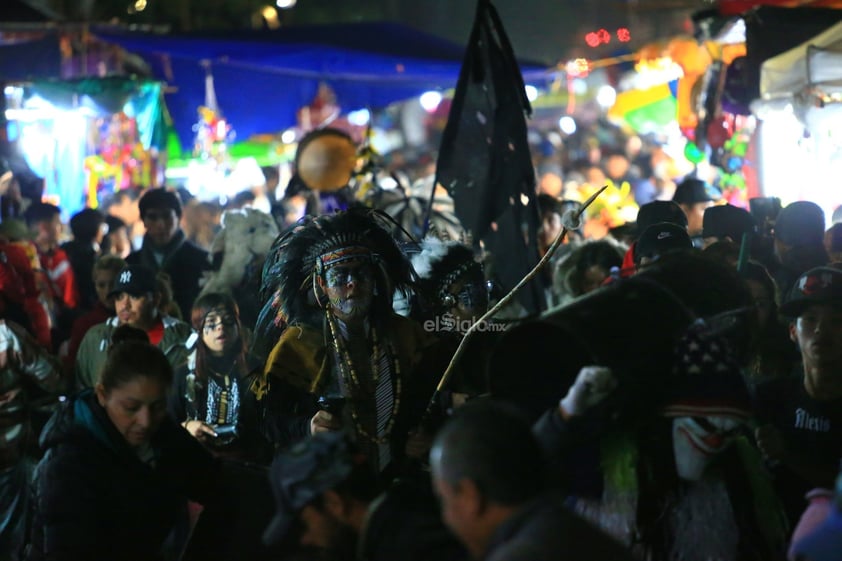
680	399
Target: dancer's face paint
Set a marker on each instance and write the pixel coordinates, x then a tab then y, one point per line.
349	287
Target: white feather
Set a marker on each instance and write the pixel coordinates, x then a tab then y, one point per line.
432	250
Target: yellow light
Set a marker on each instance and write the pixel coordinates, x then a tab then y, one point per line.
578	67
140	5
270	14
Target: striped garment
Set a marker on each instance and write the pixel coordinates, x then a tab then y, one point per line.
384	399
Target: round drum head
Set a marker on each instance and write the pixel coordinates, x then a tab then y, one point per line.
326	163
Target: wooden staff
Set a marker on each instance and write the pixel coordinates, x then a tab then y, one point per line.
508	297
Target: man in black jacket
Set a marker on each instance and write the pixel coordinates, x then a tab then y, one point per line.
165	247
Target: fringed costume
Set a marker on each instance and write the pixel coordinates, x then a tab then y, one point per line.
376	375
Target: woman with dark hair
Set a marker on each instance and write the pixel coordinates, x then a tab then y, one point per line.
118	470
210	397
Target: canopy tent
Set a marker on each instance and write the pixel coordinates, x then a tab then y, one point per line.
262	78
814	64
801	114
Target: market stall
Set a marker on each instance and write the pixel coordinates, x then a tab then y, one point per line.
89	138
801	112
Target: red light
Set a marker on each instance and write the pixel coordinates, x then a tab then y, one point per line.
624	35
604	36
592	39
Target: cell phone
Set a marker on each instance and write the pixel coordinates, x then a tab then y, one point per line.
333	404
225	430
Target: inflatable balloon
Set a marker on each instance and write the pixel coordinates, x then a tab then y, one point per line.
693	154
718	132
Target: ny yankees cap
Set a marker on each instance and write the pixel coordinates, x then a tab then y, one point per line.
135	280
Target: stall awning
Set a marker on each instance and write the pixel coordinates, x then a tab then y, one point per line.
262	78
816	63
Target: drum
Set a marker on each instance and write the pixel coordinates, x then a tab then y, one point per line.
326	159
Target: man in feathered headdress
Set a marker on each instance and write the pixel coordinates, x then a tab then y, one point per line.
345	359
451	295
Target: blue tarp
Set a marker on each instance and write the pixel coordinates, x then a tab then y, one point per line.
28	60
262	78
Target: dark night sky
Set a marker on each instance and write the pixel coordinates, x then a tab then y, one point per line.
542	30
545	30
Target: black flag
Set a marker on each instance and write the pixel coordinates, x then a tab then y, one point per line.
484	160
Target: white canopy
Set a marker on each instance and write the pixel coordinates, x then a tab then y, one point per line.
816	63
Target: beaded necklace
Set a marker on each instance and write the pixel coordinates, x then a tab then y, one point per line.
352	381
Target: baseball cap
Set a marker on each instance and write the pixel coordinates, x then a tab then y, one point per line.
302	473
661	238
800	223
727	221
693	190
135	280
660	211
822	285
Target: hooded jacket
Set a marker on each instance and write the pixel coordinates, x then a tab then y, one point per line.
95	498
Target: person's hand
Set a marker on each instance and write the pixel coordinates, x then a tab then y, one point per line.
323	421
199	429
5	182
771	442
459	399
418	444
9	396
592	385
9	344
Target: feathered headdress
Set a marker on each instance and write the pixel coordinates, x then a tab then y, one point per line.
306	249
441	263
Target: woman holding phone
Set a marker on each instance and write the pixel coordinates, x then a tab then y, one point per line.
210	397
